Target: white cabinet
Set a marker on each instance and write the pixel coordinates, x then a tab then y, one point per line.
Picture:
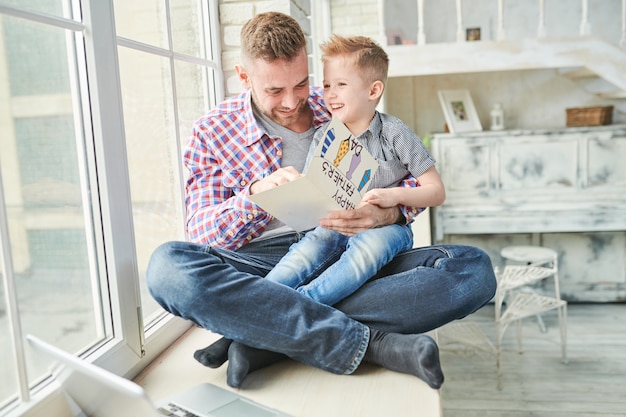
532	181
562	188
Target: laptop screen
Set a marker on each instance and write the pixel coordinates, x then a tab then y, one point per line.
100	393
97	392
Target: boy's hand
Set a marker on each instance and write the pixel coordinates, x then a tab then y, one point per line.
381	197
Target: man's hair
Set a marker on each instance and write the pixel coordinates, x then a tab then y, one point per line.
367	56
271	36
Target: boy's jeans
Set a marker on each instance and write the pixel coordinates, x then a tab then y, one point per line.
360	258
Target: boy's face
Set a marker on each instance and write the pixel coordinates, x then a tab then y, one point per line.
346	94
280	90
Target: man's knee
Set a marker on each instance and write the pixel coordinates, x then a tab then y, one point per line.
162	264
483	271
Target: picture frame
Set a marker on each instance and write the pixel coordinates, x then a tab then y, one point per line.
459	111
396	37
472	34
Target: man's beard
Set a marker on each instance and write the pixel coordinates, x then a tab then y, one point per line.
286	121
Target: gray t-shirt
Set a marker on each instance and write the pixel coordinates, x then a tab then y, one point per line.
294	153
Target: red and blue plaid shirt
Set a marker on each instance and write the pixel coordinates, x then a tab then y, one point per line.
228	150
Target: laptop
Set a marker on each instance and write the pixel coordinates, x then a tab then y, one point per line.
99	393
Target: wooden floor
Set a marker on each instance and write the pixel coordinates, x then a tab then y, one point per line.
536	383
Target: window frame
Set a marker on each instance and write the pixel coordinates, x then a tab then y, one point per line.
132	346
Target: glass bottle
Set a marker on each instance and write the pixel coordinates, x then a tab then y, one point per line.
497	117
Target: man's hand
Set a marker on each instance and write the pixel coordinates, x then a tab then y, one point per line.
276	178
365	217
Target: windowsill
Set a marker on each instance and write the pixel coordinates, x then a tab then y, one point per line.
50	401
294	388
288	386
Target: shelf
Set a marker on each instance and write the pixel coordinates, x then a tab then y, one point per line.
515	276
526	305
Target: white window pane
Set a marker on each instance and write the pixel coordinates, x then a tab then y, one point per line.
194	83
153	157
142	21
187	33
47	199
52	7
8	371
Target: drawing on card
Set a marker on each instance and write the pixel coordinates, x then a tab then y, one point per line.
329	183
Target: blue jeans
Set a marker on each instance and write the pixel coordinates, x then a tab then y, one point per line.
360	258
225	292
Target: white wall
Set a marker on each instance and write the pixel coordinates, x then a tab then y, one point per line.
531	99
521	18
234	13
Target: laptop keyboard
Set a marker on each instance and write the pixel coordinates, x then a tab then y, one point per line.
172	410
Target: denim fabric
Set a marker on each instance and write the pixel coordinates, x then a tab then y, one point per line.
360	258
225	292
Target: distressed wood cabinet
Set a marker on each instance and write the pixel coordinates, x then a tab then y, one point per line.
565	189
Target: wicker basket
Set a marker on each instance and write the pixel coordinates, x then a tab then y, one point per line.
589	116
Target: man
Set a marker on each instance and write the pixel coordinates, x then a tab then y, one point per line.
259	140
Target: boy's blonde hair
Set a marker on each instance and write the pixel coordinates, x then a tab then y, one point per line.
367	56
271	36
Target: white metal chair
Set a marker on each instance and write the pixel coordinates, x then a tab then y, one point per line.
533	264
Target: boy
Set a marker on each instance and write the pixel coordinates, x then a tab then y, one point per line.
355	72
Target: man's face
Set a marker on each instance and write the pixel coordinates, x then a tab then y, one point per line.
280	90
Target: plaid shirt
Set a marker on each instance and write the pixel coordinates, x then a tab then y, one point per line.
228	150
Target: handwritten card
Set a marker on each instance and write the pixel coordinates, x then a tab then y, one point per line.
337	177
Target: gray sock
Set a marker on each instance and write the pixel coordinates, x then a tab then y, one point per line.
243	359
215	354
414	354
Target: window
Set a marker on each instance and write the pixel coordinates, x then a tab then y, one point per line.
89	118
165	76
